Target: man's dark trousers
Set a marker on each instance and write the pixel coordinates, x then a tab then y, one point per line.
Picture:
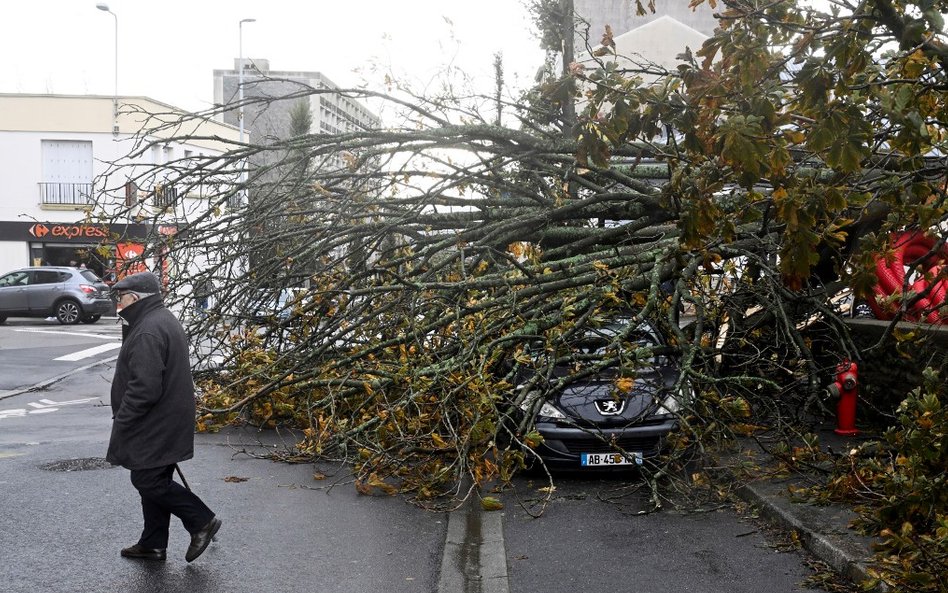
163	497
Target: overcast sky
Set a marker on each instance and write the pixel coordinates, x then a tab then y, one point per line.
168	49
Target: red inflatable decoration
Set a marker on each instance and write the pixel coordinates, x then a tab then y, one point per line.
910	247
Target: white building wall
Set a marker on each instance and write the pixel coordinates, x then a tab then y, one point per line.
27	120
21	171
659	41
13	255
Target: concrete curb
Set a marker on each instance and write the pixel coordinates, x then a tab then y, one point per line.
823	530
474	558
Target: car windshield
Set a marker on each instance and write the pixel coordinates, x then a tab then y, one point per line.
596	341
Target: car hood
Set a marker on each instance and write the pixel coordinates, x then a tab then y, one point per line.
598	402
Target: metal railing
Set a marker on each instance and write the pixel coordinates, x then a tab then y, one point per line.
78	194
165	195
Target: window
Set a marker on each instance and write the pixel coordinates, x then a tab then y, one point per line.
15	279
67	172
131	193
46	277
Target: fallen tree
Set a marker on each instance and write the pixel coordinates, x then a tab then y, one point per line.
744	189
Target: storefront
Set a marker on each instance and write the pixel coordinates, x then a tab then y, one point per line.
111	251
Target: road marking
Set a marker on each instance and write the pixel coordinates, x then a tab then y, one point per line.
90	352
62	333
47	382
44	406
50	402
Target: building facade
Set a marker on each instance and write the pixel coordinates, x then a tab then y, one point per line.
268	117
74	190
620	16
643	39
270	99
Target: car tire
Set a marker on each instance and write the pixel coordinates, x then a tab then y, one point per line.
91	318
3	318
68	312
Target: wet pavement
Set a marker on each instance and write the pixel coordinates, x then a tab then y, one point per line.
286	531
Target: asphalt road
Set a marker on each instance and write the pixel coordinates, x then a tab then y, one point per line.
286	532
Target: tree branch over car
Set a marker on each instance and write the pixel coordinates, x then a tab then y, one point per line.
435	258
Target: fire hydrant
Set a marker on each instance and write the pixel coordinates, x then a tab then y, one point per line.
846	389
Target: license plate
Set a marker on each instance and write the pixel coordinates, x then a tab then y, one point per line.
601	459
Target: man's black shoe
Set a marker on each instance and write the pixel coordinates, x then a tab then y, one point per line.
142	553
201	539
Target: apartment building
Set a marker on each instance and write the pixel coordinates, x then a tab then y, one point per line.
269	117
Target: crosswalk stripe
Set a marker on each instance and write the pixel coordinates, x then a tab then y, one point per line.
65	333
90	352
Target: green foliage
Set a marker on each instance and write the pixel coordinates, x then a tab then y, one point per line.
903	488
781	92
301	118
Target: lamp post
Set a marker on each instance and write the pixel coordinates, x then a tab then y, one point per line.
240	100
105	7
240	75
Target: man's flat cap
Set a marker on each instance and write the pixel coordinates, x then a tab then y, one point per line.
143	282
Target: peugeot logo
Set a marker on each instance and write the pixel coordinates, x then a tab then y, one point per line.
610	407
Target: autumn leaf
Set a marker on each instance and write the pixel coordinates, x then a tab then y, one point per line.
490	503
533	439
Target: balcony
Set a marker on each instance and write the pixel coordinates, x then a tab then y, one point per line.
165	195
65	194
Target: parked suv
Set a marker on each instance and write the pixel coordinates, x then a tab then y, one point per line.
70	295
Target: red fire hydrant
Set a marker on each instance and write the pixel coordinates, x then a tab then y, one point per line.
846	389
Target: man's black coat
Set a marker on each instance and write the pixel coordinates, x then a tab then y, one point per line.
152	390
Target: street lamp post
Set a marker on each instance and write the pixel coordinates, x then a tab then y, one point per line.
240	100
115	129
240	75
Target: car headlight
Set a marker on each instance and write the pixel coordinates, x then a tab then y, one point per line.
548	410
674	402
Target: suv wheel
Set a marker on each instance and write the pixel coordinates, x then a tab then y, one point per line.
68	312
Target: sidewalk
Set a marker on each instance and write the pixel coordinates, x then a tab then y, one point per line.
823	530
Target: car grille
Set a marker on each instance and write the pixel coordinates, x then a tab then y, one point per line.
591	444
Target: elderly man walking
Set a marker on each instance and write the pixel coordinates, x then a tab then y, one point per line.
153	418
